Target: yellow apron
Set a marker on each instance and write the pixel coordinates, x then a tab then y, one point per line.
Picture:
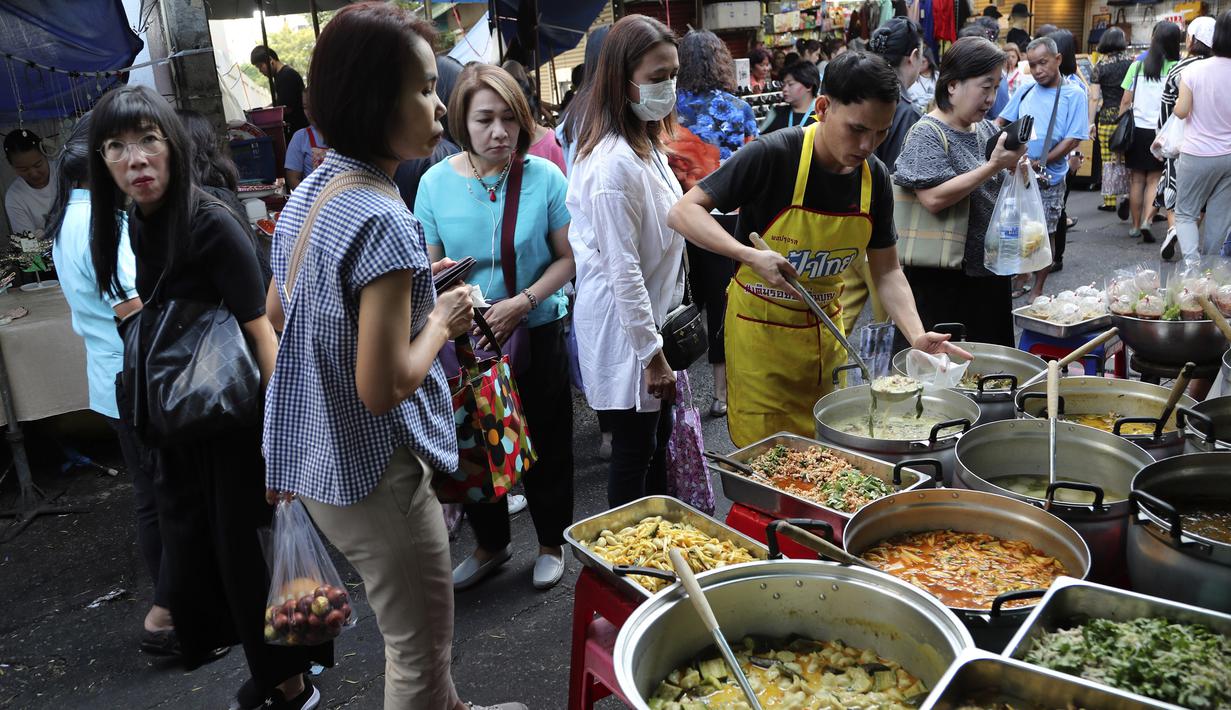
779	357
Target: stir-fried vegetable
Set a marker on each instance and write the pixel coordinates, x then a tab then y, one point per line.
819	475
1185	664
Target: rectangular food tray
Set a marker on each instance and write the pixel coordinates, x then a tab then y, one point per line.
1055	330
1071	600
778	503
632	513
991	678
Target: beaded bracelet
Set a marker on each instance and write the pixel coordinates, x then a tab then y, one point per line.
534	300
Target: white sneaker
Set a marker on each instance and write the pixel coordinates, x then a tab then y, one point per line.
548	570
470	572
517	503
1167	252
501	706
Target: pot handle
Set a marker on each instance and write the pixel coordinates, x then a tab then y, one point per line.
1145	500
998	377
625	570
1074	486
937	475
1014	596
771	532
957	330
1025	396
1158	425
1182	411
935	434
843	368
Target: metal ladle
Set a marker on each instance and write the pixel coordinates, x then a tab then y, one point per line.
1053	408
689	581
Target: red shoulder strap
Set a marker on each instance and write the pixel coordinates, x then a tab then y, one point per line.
508	255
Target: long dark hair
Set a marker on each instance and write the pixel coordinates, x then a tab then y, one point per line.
705	64
1164	47
594	48
1067	46
210	166
72	168
605	111
138	108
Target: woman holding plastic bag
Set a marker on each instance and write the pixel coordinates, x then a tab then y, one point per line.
358	415
943	161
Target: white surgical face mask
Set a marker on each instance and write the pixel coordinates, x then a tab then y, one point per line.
657	100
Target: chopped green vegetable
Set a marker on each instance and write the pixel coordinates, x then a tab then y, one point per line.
714	669
1185	664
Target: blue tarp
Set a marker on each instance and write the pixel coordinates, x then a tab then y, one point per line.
77	35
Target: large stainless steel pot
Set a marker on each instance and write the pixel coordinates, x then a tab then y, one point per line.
1225	372
1206	425
1136	401
782	598
1175	342
994	392
1164	560
971	511
959	413
1092	458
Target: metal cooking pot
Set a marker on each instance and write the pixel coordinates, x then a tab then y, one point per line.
1166	561
1096	461
1175	342
1138	402
1225	372
972	511
993	362
959	414
1206	425
781	598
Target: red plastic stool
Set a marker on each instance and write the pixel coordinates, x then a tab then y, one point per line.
591	670
753	524
1050	348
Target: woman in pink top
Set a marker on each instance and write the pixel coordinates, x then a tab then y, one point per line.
1203	171
543	143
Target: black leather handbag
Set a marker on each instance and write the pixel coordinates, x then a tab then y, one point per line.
685	337
188	372
1122	138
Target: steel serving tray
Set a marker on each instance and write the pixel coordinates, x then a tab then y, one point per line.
987	678
1056	330
632	513
778	503
1071	600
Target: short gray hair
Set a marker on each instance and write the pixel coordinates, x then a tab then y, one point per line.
1044	42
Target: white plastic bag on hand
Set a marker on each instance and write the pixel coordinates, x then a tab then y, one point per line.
1016	241
936	372
1170	138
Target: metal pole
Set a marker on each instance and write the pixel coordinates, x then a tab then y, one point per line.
427	11
316	21
273	93
538	64
493	19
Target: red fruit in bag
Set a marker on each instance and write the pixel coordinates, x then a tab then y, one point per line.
320	606
282	622
314	622
337	597
345	609
304	606
334	621
321	591
299	622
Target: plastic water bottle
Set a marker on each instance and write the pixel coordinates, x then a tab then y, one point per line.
1010	236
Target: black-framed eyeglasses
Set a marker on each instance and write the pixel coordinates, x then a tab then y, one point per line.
115	150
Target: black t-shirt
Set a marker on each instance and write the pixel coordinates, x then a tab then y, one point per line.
784	117
220	263
905	116
759	180
289	86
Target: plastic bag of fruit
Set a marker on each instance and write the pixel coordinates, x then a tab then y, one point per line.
307	603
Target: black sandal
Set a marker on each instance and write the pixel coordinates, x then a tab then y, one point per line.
160	643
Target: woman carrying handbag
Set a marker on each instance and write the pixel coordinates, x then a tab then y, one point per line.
197	275
505	209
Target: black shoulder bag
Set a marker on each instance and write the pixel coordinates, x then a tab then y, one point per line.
1122	138
188	372
685	337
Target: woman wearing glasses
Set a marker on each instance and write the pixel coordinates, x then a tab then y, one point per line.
210	491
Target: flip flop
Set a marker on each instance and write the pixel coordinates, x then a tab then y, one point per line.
1019	292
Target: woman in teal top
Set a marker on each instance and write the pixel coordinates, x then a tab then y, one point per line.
461	203
94	320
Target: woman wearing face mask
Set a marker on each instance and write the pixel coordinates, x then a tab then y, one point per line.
490	117
942	161
629	262
801	83
209	493
359	416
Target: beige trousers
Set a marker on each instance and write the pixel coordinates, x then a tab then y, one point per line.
396	539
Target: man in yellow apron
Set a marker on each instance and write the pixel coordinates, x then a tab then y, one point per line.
823	203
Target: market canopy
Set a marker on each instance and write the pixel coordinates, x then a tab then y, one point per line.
560	25
244	9
78	38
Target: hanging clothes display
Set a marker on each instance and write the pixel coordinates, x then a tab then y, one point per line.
944	21
928	24
963	13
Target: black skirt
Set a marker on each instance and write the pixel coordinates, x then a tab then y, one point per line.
1139	156
211	505
983	304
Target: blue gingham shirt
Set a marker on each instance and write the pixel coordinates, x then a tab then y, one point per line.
320	441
